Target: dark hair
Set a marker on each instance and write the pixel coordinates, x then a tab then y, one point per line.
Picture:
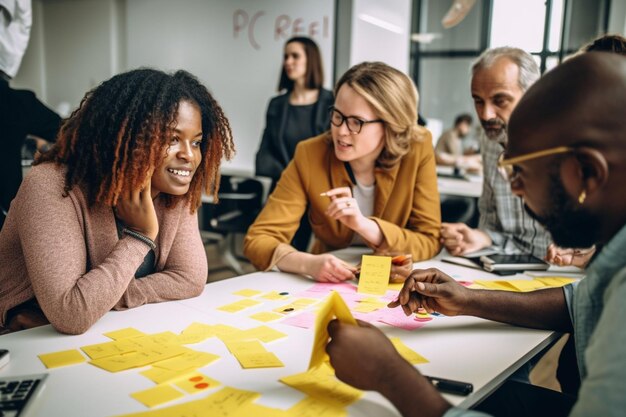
314	70
461	118
607	43
121	130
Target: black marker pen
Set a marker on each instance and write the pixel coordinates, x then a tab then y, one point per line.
451	387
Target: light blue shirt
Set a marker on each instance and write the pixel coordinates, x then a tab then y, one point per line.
597	306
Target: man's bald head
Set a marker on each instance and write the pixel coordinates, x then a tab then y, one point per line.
583	101
576	112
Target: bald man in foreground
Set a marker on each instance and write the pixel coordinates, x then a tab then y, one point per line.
566	158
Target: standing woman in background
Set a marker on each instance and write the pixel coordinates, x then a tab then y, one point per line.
370	181
107	218
301	112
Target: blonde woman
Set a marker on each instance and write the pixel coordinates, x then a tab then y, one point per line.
371	180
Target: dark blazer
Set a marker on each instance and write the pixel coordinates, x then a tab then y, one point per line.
272	157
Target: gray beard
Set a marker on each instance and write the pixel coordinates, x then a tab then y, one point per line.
500	137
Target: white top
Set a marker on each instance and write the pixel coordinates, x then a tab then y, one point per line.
364	196
15	22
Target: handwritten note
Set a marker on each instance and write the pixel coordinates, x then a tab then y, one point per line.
374	274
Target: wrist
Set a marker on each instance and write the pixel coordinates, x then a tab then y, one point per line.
140	236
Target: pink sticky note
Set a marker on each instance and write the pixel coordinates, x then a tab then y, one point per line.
368	317
310	294
305	320
395	317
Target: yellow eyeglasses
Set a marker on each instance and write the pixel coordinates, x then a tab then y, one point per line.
508	164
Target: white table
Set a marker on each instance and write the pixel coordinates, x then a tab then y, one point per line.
463	348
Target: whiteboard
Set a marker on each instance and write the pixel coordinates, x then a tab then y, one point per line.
234	47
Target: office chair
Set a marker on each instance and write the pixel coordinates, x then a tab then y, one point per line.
240	201
3	216
459	209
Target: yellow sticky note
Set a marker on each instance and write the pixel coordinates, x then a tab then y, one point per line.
247	293
187	360
196	382
263	333
526	285
266	316
62	358
244	346
554	281
124	333
395	286
158	395
258	360
274	295
160	375
137	359
411	356
496	285
238	305
321	383
368	305
334	306
228	401
305	301
196	327
102	350
315	407
374	274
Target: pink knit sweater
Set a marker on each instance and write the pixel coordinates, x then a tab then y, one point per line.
70	258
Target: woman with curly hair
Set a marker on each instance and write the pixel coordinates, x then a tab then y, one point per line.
107	218
369	181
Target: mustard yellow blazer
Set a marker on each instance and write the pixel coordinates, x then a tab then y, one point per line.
406	204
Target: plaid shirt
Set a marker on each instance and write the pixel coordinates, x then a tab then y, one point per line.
502	214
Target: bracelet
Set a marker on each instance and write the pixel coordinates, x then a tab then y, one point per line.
139	236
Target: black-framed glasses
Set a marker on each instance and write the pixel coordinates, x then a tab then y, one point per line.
354	124
507	165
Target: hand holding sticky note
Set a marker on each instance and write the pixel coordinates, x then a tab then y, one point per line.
333	307
374	274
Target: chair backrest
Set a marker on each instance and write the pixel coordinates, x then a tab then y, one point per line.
240	201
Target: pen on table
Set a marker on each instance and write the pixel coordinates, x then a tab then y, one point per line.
451	387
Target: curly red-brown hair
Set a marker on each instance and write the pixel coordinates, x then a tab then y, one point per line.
121	129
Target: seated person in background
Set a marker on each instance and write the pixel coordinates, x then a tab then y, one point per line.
107	218
370	181
567	140
450	151
500	77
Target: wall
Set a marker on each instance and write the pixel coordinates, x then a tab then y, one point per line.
371	30
235	47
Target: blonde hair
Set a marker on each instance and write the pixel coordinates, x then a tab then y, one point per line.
394	98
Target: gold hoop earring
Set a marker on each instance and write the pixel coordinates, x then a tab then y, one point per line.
582	197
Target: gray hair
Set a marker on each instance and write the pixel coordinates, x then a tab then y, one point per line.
528	69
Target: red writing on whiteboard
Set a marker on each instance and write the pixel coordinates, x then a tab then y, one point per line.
284	26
